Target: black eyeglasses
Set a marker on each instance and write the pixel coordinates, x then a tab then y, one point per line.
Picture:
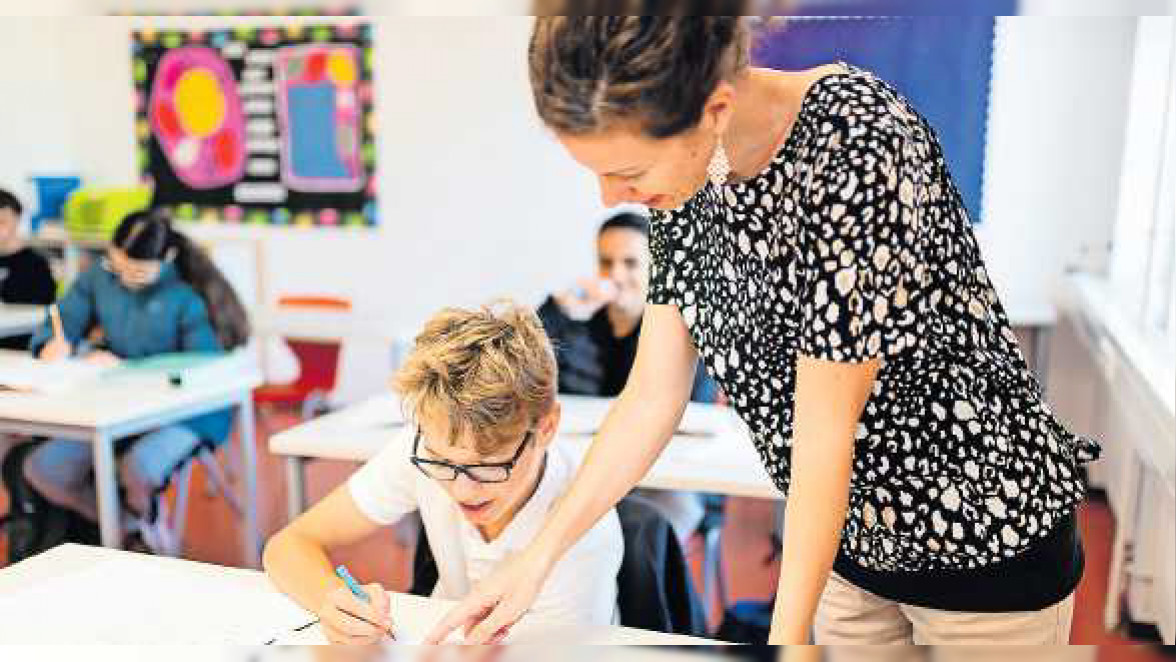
497	472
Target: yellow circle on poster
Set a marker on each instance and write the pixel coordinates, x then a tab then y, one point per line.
200	102
341	69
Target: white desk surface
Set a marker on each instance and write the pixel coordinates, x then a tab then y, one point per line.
120	400
16	319
414	615
725	462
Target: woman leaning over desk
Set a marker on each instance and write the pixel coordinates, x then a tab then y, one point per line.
809	244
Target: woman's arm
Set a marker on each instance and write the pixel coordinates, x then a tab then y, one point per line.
829	401
296	561
636	429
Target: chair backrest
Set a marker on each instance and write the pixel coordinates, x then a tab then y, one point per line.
654	589
318	363
314	302
318	359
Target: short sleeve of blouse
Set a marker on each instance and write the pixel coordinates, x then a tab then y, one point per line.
660	269
861	245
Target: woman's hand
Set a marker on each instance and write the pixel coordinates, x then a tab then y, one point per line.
348	620
57	349
498	602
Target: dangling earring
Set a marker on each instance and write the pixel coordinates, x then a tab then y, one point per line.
719	168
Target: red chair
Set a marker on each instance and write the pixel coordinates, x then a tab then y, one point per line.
318	363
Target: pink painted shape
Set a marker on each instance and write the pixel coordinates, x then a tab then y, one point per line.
206	171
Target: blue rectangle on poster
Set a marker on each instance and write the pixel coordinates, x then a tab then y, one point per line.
314	152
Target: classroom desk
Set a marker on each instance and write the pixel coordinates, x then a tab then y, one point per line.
121	407
725	462
413	615
16	320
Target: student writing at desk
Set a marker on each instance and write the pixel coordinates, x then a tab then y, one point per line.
154	292
24	274
477	464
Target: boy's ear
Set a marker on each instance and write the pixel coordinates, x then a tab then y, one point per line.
548	425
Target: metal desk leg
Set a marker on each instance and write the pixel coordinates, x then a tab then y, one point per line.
106	483
295	487
251	538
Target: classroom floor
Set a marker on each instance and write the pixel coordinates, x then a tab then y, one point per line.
213	537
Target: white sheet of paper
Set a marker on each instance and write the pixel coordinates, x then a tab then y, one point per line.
412	618
25	373
583	416
122	601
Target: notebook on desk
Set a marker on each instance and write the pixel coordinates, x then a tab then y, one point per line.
187	369
23	373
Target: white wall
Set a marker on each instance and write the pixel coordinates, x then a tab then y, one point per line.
36	138
1055	143
477	201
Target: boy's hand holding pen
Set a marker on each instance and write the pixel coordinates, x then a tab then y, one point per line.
356	614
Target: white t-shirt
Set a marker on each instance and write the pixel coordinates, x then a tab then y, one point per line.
582	587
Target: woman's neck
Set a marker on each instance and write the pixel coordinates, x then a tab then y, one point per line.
767	105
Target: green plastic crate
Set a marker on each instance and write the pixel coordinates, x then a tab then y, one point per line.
93	214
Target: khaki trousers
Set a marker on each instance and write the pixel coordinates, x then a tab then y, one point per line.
849	616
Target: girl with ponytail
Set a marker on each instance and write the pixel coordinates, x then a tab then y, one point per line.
153	292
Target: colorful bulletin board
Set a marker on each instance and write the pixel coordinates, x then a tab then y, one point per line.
942	64
258	125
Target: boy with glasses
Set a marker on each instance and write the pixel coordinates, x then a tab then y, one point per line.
476	461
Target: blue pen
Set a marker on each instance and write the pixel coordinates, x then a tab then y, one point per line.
356	589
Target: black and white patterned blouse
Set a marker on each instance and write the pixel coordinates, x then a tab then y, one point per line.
854	244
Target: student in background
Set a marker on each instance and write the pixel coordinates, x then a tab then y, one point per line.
595	329
595	326
476	462
24	274
154	292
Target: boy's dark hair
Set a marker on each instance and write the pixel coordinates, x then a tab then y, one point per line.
10	201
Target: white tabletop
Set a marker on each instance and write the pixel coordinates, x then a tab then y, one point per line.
17	320
120	400
128	615
714	453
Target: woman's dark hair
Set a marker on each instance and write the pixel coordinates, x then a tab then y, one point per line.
150	236
625	220
589	73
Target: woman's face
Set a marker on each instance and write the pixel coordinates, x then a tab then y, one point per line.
632	167
623	257
661	173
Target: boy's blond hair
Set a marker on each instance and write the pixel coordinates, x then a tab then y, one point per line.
490	373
